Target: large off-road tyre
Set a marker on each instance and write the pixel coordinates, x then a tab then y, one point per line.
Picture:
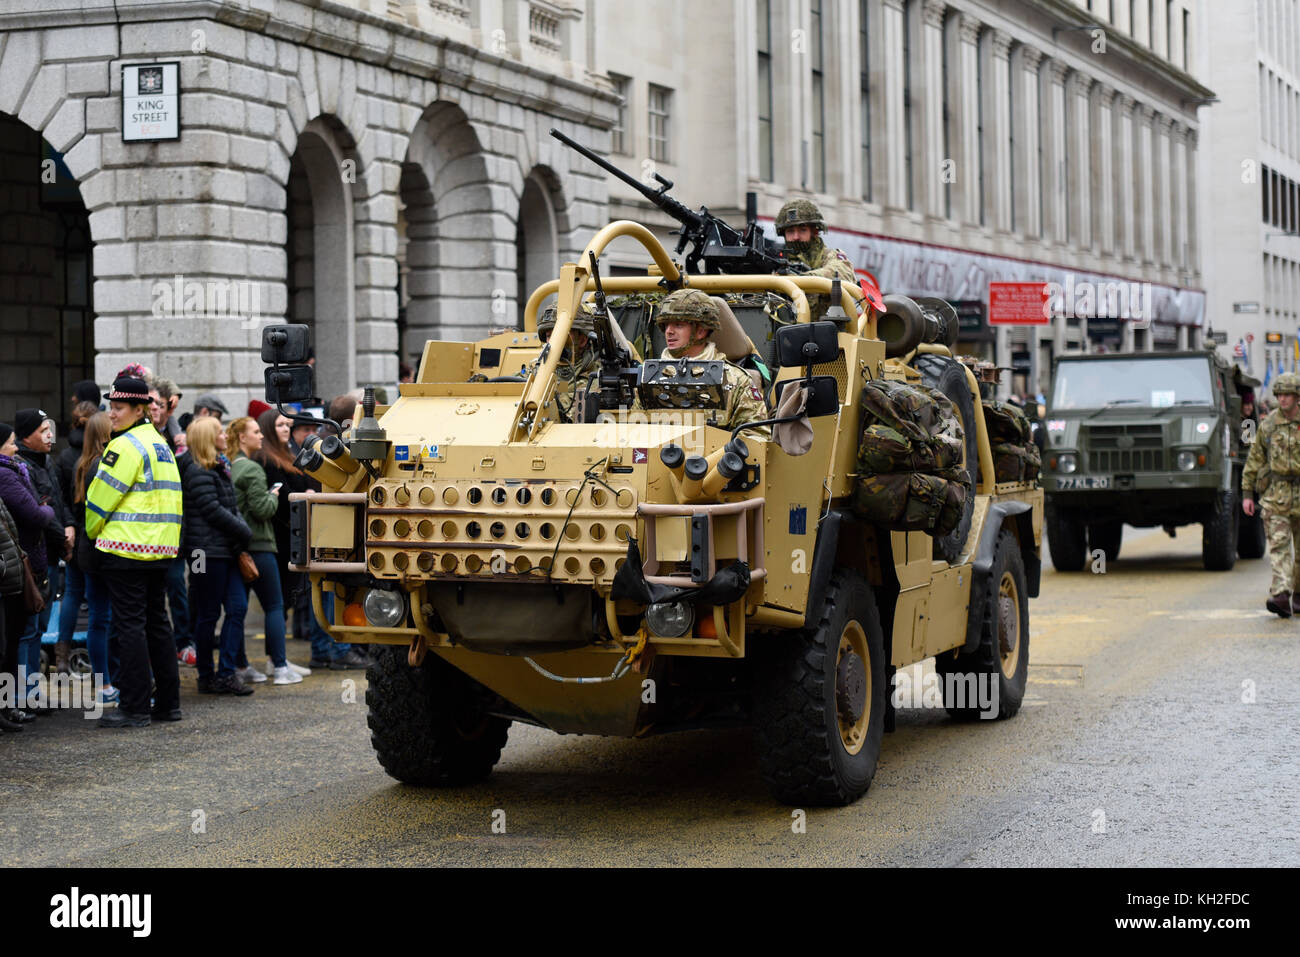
1219	533
427	724
996	671
1252	536
1065	539
949	377
1106	536
819	700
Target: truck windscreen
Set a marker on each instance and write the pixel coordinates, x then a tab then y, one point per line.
1142	382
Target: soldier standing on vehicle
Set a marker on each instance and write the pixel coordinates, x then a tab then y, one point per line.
801	224
688	318
578	361
1273	472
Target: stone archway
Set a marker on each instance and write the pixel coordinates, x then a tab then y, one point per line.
457	258
537	234
46	281
319	248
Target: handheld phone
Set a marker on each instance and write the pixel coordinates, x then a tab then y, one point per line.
276	486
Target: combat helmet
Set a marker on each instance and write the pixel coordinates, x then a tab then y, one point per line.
584	322
1288	383
799	212
689	305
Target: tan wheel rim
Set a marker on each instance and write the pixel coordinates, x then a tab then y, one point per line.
1009	624
853	733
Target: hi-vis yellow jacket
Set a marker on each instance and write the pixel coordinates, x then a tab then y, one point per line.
133	506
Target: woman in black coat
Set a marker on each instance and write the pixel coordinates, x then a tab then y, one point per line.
277	459
13	612
214	535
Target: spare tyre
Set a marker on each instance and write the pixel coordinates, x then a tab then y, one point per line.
949	377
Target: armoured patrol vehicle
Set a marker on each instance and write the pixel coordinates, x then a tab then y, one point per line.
1151	439
639	570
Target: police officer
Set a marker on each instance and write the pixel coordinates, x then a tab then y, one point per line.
1273	473
133	513
578	361
801	224
688	319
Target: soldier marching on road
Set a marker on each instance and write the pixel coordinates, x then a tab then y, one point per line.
1273	473
801	224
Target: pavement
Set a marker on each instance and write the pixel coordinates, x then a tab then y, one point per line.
1158	728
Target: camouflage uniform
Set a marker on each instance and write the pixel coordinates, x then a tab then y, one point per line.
1273	474
815	254
744	402
571	375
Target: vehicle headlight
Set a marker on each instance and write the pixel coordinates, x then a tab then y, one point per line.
670	619
1186	460
1069	462
385	609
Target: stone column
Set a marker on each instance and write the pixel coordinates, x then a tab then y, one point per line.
1146	190
1180	198
931	103
1164	192
1103	175
1079	160
1027	194
1125	171
893	23
962	71
997	132
1052	103
1193	236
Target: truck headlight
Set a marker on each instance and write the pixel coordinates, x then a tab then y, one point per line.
670	619
385	609
1068	462
1186	460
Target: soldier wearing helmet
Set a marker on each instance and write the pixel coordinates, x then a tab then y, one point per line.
801	224
688	318
1273	475
578	361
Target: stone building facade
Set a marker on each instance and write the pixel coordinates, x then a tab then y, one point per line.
947	142
1251	171
321	144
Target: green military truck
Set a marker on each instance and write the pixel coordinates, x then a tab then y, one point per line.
1152	439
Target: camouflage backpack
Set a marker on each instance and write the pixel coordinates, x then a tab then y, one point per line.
1015	456
907	428
913	501
1006	423
911	444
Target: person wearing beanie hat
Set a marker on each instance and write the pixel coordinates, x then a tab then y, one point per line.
34	432
133	513
87	390
30	520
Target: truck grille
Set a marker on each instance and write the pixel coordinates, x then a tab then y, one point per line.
1126	448
486	529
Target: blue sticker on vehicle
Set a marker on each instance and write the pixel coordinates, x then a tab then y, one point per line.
798	520
402	453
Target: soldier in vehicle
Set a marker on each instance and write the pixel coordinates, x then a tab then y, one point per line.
578	362
688	318
1273	473
801	224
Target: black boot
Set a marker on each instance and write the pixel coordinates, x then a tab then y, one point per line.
1280	604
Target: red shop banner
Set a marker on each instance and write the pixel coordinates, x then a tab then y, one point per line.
1018	304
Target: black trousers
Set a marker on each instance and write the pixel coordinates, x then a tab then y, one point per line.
141	635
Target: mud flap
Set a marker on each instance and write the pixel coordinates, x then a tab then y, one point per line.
983	563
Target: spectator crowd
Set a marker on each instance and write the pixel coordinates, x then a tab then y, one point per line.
160	525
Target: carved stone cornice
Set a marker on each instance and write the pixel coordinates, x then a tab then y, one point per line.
969	28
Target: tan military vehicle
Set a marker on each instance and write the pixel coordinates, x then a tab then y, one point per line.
648	571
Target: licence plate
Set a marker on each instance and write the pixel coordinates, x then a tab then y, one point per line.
1082	481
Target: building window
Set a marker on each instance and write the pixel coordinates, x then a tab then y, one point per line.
1133	19
1011	140
619	136
979	119
1169	30
764	44
818	99
660	101
947	119
907	102
1263	190
864	92
1187	37
1151	25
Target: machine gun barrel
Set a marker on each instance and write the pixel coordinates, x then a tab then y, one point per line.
692	220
